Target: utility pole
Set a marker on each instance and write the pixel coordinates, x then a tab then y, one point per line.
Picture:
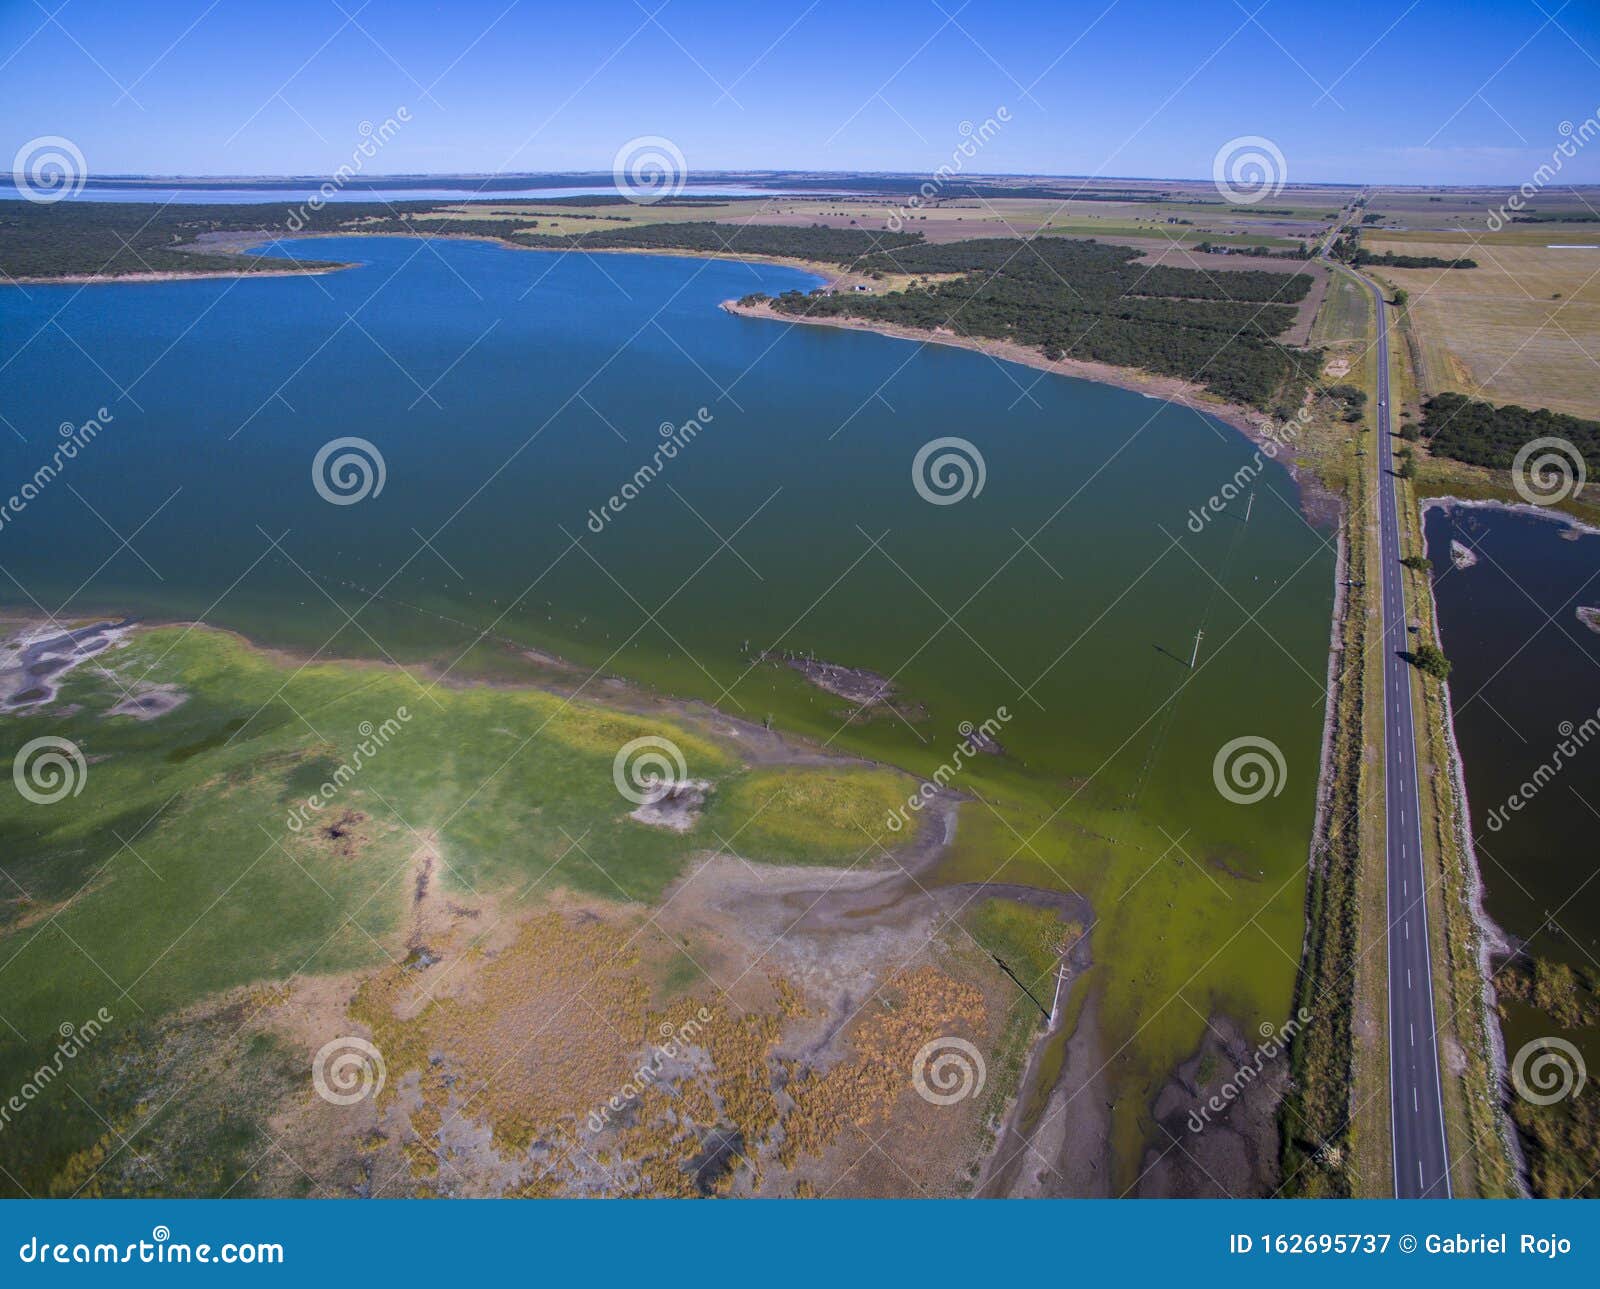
1249	502
1194	657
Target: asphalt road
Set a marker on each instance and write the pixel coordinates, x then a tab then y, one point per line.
1421	1154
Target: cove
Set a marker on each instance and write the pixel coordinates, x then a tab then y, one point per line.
511	394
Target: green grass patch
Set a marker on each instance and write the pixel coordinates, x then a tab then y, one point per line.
193	861
816	816
1026	938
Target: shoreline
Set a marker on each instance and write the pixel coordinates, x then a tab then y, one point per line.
101	279
1170	389
829	903
1319	504
1447	503
1492	939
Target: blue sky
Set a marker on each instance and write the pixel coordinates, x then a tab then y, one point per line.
1466	91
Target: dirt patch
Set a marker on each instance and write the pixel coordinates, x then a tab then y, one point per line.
1066	1153
867	692
675	806
857	684
36	659
343	835
1218	1116
145	702
535	1062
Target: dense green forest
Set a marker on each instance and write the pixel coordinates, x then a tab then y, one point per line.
1390	260
816	242
117	238
113	238
1349	249
1093	301
1064	296
1479	433
1568	217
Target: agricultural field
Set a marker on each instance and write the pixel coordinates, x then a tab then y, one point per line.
1524	326
1290	219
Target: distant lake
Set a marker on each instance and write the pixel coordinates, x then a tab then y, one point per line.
294	194
511	394
1526	675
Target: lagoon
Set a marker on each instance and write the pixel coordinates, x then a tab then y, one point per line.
512	395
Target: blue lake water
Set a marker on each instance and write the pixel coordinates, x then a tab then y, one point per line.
1526	677
512	394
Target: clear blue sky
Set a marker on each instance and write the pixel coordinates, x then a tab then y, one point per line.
1460	91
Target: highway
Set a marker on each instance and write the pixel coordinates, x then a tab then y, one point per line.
1416	1109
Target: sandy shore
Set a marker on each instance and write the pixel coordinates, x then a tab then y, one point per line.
95	279
1167	388
1448	503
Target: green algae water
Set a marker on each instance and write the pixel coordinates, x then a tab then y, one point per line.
585	456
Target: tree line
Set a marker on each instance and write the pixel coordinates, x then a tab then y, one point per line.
1480	433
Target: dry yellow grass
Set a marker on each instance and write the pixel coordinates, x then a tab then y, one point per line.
527	1038
1523	327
